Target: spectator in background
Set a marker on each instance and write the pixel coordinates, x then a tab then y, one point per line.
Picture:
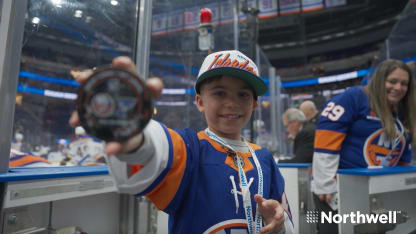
364	127
80	132
58	155
84	150
302	132
309	109
17	142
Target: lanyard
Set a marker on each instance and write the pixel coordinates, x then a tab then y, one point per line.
400	129
245	190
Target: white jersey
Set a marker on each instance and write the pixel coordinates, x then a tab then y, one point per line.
86	151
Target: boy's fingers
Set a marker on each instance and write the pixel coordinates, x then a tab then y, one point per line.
132	144
265	204
266	229
112	148
122	61
156	85
74	119
258	199
271	228
81	76
125	62
272	213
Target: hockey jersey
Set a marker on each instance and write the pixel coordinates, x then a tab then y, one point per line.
190	178
86	151
350	135
349	128
21	159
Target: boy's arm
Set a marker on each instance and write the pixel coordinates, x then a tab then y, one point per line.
134	172
158	169
151	163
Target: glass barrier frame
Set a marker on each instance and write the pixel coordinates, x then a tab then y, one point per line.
12	28
11	37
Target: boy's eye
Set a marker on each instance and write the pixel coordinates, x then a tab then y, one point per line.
219	93
245	94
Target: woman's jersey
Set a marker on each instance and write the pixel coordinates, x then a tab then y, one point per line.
194	181
350	129
350	135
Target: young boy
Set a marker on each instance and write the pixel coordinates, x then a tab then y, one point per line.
212	181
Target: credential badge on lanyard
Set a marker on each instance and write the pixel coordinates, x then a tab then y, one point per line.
245	191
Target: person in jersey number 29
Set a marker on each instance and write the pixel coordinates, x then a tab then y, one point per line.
364	127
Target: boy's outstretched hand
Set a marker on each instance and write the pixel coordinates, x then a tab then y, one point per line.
154	84
272	213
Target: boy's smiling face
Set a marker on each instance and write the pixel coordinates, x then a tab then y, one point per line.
227	104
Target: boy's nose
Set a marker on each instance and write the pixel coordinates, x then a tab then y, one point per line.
231	102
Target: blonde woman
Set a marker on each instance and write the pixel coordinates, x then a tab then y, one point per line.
365	127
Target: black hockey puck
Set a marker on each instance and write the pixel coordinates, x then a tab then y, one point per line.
114	104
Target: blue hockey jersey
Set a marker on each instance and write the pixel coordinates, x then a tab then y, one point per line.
190	179
349	128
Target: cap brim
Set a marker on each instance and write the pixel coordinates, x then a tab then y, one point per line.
254	81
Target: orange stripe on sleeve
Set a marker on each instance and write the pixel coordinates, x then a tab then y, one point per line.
163	194
329	140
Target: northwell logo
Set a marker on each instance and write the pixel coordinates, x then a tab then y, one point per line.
353	217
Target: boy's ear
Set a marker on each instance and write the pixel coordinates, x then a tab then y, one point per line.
254	104
199	103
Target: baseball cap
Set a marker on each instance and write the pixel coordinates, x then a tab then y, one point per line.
232	63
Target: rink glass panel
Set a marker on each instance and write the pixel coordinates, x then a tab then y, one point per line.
400	44
175	57
61	37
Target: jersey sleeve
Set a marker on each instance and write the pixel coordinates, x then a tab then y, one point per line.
334	122
330	133
160	177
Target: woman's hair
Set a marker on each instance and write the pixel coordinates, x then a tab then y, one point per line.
378	99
